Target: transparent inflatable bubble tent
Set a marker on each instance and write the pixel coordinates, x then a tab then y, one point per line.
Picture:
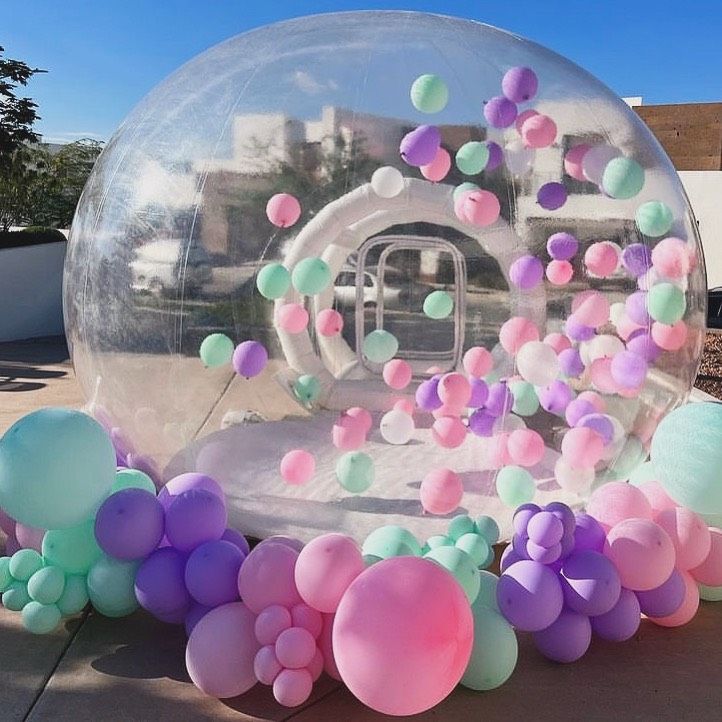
438	250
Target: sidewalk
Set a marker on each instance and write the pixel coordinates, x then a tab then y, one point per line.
116	670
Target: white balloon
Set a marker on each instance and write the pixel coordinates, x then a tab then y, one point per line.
595	161
604	345
397	427
575	481
537	363
518	158
387	182
617	313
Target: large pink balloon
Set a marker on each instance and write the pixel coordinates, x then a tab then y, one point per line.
402	635
266	577
221	650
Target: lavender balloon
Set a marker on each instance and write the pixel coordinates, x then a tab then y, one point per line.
601	423
578	331
552	196
526	272
508	557
590	583
665	599
567	639
519	84
496	156
555	397
481	423
185	482
545	529
160	585
637	259
564	513
427	394
542	554
641	343
500	399
211	573
419	147
588	534
577	410
479	393
250	358
628	369
562	246
570	363
500	112
636	308
194	615
238	540
194	517
529	595
622	621
522	516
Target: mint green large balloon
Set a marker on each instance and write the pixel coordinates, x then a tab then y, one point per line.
311	276
273	281
46	585
24	563
666	303
654	218
643	473
438	304
494	653
74	596
429	93
355	471
132	479
6	579
40	618
111	586
526	401
461	565
56	468
73	550
515	486
623	178
472	157
380	346
216	350
16	596
391	541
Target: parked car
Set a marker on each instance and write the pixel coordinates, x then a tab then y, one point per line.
345	290
714	307
159	267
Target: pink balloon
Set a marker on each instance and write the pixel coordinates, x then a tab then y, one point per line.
478	361
590	308
362	416
292	687
538	131
325	568
325	644
291	317
709	572
307	617
297	466
558	341
522	118
283	210
642	552
526	447
270	623
454	390
669	338
670	258
29	537
295	647
397	373
657	496
602	259
689	534
481	208
685	613
595	399
582	447
573	161
498	451
266	577
400	647
316	667
601	376
616	501
265	665
448	432
438	168
459	208
221	651
441	491
559	273
405	405
329	322
515	332
348	435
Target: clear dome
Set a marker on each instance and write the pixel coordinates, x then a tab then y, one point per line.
172	232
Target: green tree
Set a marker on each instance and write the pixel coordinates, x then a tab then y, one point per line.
22	179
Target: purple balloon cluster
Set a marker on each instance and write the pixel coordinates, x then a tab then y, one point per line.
189	559
556	583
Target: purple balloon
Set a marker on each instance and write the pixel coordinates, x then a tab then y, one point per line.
588	534
479	393
526	272
250	358
519	84
601	423
578	331
237	539
543	554
665	599
194	517
500	112
628	369
545	529
564	514
508	557
636	308
529	595
194	615
160	586
496	156
567	544
519	542
637	259
522	517
642	343
567	639
129	524
427	394
622	621
211	573
420	146
590	582
577	410
562	246
570	362
500	399
481	423
552	196
186	482
555	397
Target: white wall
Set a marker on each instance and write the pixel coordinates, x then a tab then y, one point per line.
704	188
31	291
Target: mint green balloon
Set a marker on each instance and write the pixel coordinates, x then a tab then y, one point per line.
16	596
370	559
460	525
464	188
46	585
6	579
515	486
111	586
654	218
488	528
487	590
273	281
526	401
73	550
623	178
24	563
461	565
40	618
380	346
438	540
475	546
355	471
643	473
472	157
216	350
666	303
438	304
391	541
311	276
429	93
75	595
630	456
710	594
132	479
494	652
307	388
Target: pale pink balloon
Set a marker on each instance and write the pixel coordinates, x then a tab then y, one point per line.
602	259
477	361
403	635
582	447
221	651
590	308
298	466
397	373
329	322
265	665
523	117
601	376
405	405
315	669
481	208
295	648
689	534
616	501
709	572
515	332
642	552
362	416
266	577
559	273
573	161
657	496
558	341
307	617
292	687
348	434
29	537
454	390
447	410
689	606
671	258
526	447
669	338
291	317
438	169
325	568
441	491
538	131
448	432
283	210
498	451
459	206
270	623
626	327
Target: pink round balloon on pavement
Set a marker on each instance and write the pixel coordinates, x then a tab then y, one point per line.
297	466
441	491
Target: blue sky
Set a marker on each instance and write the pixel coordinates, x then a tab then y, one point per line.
103	56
